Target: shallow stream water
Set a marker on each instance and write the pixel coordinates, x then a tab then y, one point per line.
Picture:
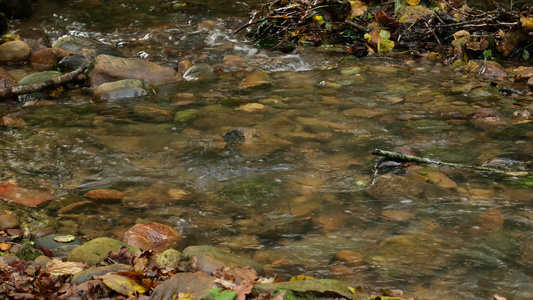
302	197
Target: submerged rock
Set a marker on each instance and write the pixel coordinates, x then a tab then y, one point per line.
122	89
256	80
75	43
106	68
14	52
253	143
96	251
208	259
152	236
308	289
84	56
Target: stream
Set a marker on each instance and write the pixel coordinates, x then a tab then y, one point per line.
302	197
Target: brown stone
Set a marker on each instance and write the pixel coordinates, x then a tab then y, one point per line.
530	83
8	221
45	59
350	257
152	236
12	122
14	51
106	195
259	79
396	215
441	180
492	219
5	79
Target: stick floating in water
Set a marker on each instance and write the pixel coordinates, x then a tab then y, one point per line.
425	160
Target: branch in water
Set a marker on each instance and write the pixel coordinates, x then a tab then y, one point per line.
37	87
424	160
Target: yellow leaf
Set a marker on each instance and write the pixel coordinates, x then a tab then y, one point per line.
319	19
187	296
386	45
413	2
527	24
122	284
301	277
358	9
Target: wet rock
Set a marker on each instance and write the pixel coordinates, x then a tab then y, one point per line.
5	79
125	144
349	257
58	249
199	72
510	161
396	215
122	89
84	56
96	251
169	258
488	68
10	122
106	68
14	52
153	113
39	77
530	83
184	65
46	59
408	254
8	221
256	80
105	196
251	107
146	196
30	198
208	259
240	242
186	115
197	285
89	274
492	219
152	236
395	187
311	289
75	43
16	9
37	39
441	180
56	240
253	143
276	228
255	193
233	62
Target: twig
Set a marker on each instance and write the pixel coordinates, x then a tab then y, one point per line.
37	87
425	160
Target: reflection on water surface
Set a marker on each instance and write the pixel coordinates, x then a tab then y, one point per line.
284	172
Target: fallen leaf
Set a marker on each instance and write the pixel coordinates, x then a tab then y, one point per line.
123	284
58	267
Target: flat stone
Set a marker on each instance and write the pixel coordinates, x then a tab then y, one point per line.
208	259
256	80
107	68
105	195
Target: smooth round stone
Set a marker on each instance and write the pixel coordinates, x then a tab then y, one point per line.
39	77
14	52
49	242
122	89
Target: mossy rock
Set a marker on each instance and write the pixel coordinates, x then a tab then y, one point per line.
96	251
309	289
39	77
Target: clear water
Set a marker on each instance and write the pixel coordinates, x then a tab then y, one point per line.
303	191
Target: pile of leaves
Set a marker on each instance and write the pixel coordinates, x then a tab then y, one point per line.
448	30
52	279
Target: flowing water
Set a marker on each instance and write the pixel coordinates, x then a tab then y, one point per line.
300	195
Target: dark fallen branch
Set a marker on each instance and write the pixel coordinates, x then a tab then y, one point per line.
424	160
37	87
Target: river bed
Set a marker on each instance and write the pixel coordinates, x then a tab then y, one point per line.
302	197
